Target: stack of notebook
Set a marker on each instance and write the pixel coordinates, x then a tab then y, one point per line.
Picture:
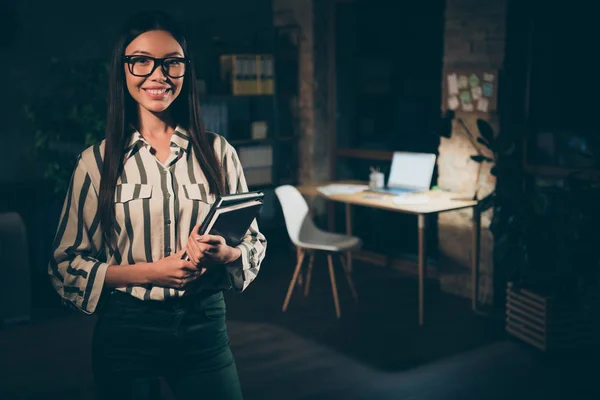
231	216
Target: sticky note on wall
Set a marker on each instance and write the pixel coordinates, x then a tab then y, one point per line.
488	89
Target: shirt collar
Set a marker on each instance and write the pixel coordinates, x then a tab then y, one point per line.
179	139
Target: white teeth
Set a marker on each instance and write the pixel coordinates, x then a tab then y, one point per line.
156	91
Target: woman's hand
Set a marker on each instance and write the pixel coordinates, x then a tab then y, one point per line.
196	249
173	272
218	252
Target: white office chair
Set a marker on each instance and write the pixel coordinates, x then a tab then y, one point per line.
308	238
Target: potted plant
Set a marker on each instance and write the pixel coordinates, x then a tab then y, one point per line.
69	117
545	235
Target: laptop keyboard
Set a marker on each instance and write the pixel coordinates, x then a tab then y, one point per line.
400	190
393	190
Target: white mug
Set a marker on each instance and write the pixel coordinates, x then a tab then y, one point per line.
376	180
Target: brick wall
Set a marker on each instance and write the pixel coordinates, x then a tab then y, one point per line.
474	37
475	32
311	16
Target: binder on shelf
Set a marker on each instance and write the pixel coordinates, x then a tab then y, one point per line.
268	82
215	116
248	74
230	216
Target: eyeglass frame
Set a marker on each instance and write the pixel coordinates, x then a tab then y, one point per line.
157	61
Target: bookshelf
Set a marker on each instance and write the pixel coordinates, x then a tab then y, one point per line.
561	129
234	118
382	102
244	142
247	100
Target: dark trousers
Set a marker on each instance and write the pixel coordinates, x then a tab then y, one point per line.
183	341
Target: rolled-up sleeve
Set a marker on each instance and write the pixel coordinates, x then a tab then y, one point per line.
76	272
254	245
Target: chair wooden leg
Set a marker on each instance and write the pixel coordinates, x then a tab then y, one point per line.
293	282
349	278
333	286
309	273
300	281
349	264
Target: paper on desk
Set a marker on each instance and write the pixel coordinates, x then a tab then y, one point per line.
339	188
411	199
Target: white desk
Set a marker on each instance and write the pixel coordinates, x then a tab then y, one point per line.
438	202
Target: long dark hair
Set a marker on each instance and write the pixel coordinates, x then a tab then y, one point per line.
122	113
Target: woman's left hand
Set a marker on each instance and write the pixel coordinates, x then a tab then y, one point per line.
218	252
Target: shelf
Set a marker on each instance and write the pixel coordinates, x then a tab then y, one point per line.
234	96
286	138
263	186
243	142
366	154
554	171
273	185
550	171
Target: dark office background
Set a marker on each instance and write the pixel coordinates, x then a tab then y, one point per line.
355	80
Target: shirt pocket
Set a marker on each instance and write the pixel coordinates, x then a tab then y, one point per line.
127	192
198	192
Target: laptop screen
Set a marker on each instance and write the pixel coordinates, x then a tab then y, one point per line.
413	170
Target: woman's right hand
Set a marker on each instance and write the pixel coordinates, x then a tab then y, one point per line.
173	272
196	250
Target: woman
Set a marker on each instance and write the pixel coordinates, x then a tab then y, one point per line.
131	205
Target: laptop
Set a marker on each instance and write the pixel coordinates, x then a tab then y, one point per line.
409	173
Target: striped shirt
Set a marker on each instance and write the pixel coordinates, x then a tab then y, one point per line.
156	206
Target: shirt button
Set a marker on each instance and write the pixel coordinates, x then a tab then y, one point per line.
168	195
168	222
168	250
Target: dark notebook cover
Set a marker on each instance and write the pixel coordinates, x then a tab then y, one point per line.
233	225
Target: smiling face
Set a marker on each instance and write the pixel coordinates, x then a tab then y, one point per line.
156	92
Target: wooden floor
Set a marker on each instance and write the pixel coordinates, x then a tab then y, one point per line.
376	351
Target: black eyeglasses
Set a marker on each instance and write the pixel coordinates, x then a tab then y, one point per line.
144	66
